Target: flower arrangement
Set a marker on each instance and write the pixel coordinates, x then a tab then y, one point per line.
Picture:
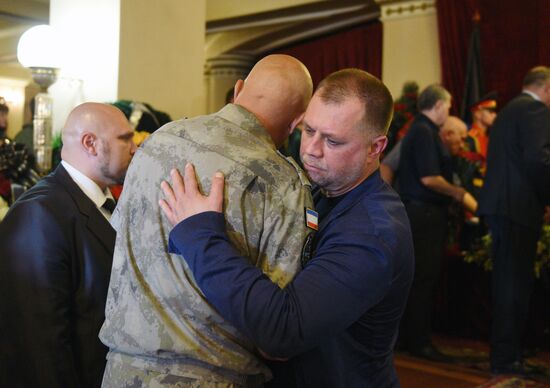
480	253
16	173
404	110
15	168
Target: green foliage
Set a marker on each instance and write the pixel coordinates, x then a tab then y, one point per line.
481	255
57	143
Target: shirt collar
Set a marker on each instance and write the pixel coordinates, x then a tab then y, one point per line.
88	186
426	119
247	121
535	96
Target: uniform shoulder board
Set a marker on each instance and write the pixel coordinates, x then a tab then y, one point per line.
301	174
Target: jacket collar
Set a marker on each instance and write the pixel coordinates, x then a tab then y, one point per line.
530	93
372	184
423	118
247	121
95	221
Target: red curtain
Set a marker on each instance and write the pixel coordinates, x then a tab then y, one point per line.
454	22
359	47
514	38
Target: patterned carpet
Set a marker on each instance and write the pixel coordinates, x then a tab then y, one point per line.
513	382
475	355
470	369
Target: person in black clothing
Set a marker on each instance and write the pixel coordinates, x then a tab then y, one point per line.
425	170
516	189
4	110
56	250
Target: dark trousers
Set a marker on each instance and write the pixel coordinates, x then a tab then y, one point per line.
429	230
514	250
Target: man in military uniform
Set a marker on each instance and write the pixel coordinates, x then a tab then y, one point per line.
483	116
338	318
160	328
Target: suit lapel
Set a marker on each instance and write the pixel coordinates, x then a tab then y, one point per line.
96	223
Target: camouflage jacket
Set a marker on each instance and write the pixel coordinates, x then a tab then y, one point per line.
156	316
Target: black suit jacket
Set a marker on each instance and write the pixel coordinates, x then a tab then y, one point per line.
517	184
56	252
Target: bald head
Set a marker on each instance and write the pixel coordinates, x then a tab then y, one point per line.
451	134
97	140
277	92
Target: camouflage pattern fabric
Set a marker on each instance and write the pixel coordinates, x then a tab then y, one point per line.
123	375
157	319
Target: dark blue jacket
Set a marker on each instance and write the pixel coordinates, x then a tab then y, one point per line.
340	315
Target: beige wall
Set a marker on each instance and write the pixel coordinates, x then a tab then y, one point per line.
410	51
89	66
162	55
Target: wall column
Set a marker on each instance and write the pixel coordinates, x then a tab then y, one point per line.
130	49
410	44
221	73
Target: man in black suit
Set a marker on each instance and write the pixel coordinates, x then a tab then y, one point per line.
513	197
56	247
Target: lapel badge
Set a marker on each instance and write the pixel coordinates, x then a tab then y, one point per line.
312	219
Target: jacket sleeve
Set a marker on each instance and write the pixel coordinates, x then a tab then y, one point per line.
336	287
37	291
535	145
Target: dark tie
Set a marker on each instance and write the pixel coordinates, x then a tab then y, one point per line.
109	205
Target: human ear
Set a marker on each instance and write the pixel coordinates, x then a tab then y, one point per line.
378	145
237	89
296	122
90	143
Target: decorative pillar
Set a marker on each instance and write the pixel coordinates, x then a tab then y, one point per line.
410	44
138	50
42	120
221	73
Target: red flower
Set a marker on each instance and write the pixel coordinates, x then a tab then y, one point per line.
5	187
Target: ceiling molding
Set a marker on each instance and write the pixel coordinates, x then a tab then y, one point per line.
404	9
26	11
312	20
296	14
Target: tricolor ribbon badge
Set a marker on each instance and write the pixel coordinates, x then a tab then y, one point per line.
312	219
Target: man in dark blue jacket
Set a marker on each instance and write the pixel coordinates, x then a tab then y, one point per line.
338	319
516	189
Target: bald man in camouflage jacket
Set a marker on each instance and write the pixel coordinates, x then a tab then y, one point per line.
159	327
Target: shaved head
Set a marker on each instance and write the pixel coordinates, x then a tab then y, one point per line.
277	91
97	140
451	134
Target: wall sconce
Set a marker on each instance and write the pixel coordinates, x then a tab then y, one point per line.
38	50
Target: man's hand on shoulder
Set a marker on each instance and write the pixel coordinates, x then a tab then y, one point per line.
183	198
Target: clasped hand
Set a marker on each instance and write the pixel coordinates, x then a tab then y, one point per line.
183	198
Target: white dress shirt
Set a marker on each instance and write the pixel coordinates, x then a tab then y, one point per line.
90	188
535	96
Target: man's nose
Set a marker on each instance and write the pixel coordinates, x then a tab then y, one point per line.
314	146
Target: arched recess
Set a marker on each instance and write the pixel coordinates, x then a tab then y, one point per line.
233	45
